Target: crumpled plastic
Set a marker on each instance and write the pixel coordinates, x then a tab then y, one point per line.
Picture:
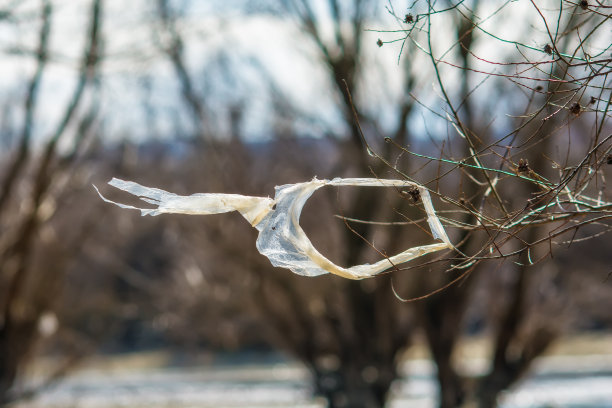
281	238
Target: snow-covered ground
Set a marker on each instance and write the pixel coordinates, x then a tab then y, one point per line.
579	381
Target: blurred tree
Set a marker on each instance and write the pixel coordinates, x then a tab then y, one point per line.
32	185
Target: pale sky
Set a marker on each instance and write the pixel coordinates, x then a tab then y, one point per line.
134	63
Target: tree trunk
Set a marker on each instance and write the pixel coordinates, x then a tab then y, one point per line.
354	386
15	341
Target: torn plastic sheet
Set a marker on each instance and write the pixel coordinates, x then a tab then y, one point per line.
281	238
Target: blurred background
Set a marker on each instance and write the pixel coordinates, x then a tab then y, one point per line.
500	108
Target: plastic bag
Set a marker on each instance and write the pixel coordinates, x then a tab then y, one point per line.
281	238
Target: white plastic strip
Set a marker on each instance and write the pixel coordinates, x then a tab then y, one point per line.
281	238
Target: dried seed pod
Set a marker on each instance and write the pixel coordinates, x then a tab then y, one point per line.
575	108
548	49
523	167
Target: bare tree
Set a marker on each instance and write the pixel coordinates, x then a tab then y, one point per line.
30	291
509	192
